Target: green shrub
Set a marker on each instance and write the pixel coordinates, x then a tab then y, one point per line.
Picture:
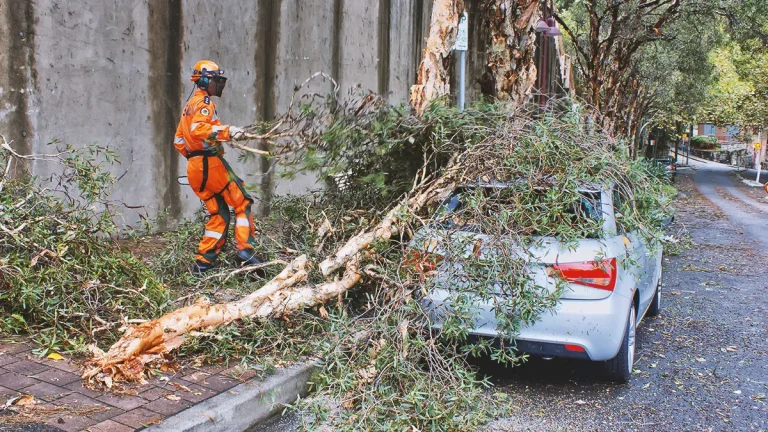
703	142
63	279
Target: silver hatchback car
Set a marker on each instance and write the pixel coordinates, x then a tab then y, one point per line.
611	282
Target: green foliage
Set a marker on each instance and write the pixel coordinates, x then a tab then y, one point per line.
396	379
675	71
260	344
724	48
370	153
387	368
738	94
62	278
703	142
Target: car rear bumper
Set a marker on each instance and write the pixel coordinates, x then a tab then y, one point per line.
597	326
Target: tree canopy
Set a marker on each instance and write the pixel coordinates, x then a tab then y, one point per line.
670	62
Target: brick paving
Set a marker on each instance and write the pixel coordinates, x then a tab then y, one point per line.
70	406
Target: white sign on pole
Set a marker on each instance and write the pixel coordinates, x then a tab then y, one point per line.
462	37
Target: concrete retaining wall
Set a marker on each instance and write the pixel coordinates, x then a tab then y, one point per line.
116	73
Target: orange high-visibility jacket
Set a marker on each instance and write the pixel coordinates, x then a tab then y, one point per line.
199	128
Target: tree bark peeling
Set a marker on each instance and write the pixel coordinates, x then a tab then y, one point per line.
143	343
432	80
512	47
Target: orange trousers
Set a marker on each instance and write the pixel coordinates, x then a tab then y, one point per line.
214	182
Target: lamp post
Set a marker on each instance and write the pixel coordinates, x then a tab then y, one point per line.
547	26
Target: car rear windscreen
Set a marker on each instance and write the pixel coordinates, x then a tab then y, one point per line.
523	210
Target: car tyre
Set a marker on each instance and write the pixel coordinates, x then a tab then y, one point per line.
655	308
619	368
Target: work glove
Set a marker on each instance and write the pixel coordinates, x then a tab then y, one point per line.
214	146
236	133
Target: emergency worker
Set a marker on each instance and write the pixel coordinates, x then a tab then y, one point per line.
199	138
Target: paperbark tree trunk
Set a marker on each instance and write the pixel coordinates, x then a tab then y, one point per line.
433	80
143	343
146	342
512	47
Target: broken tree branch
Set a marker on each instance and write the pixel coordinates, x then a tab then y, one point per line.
389	226
143	343
146	342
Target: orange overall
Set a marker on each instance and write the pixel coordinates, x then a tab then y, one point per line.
198	138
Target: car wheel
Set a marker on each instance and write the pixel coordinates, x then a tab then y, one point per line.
655	308
619	368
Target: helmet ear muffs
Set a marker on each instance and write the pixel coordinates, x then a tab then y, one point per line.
203	82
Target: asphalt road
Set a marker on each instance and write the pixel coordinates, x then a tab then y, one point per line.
703	363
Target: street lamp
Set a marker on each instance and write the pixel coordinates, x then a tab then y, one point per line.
552	29
547	23
542	26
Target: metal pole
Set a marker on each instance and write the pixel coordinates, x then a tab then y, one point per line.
462	83
544	71
758	165
462	44
676	145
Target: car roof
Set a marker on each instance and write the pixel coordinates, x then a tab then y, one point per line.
590	187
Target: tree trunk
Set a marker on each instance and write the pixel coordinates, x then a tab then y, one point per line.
146	342
512	47
432	80
143	343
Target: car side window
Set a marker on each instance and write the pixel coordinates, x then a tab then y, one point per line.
618	205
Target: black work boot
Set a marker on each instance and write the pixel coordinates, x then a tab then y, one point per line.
248	256
200	267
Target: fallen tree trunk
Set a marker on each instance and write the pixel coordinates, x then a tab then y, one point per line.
146	342
143	343
432	80
297	298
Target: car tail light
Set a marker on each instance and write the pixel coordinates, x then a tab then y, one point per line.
594	274
422	262
574	348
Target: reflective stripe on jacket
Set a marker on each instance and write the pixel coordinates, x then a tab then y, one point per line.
199	127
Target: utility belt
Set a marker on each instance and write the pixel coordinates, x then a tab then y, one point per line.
206	154
197	153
